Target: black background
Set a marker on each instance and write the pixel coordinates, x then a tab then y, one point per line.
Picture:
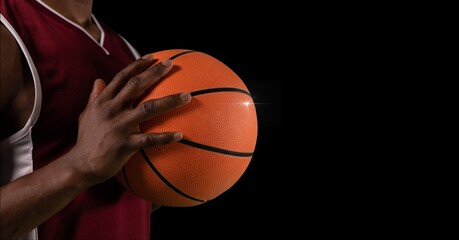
244	39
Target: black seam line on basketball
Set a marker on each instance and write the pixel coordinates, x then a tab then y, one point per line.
214	149
180	54
210	90
126	180
224	89
147	159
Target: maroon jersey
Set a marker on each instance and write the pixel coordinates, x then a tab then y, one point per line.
67	60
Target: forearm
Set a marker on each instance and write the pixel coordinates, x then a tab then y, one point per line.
28	201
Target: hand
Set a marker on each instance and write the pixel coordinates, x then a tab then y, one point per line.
109	133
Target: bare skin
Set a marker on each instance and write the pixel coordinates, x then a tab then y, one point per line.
77	11
108	130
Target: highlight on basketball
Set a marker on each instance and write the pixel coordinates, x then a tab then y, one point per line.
219	129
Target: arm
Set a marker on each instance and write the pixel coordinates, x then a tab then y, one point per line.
17	214
108	135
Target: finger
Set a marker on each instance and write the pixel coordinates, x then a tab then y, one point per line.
98	86
159	106
120	79
143	140
137	85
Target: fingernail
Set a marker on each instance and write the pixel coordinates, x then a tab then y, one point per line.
185	97
147	57
178	136
166	62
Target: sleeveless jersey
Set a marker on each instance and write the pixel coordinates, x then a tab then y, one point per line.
65	60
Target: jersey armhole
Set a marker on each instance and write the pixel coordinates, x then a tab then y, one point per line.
36	80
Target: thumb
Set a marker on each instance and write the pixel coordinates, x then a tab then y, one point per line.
97	88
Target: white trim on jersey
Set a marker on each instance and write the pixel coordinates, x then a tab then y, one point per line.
16	150
133	50
102	36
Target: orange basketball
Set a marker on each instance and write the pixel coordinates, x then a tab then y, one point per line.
219	129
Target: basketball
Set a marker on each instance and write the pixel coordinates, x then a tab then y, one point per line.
219	129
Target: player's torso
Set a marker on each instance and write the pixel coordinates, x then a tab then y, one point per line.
68	59
64	60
